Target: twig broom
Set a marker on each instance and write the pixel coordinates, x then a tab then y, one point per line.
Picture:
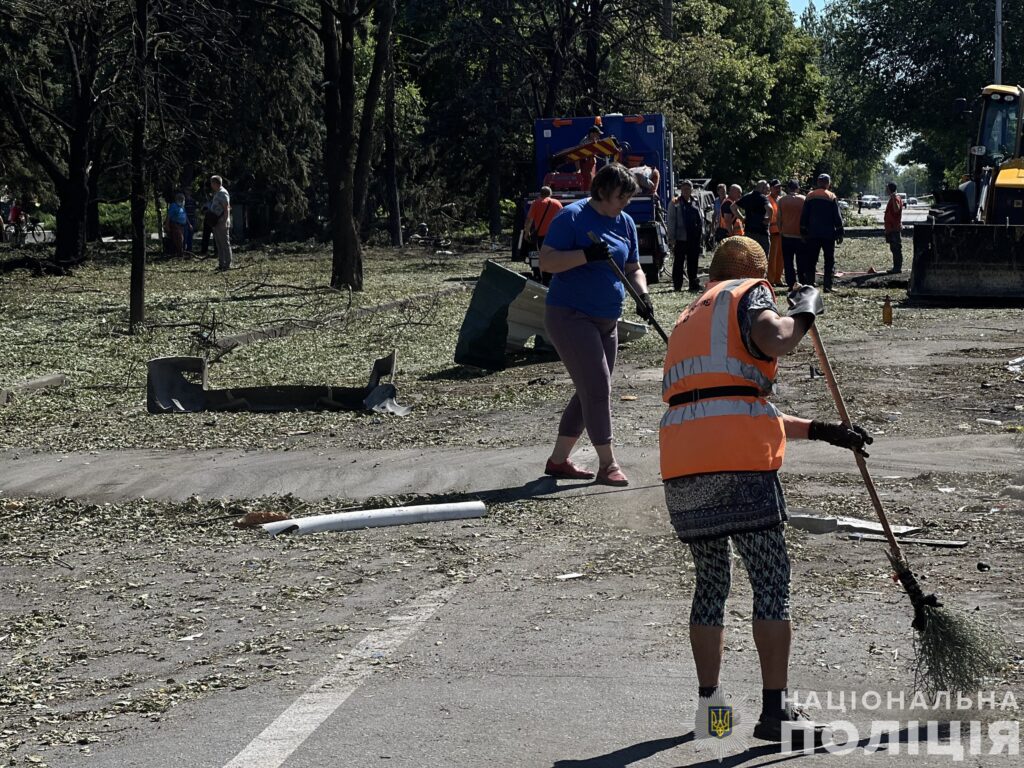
953	651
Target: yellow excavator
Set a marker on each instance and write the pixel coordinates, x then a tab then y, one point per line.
972	245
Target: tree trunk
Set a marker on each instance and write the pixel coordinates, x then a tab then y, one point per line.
71	183
392	196
494	195
592	58
347	262
92	213
73	195
332	134
385	13
137	285
495	158
556	63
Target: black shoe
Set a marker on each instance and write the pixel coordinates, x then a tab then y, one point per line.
771	728
695	288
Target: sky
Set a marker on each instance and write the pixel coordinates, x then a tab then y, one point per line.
799	5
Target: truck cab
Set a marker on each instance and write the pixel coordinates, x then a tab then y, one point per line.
634	141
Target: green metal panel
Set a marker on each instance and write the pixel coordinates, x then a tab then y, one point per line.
484	330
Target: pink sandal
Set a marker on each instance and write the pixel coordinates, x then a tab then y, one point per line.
567	470
611	475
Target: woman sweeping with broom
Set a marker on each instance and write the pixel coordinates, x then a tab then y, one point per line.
722	443
588	244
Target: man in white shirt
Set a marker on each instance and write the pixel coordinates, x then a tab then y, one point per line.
220	206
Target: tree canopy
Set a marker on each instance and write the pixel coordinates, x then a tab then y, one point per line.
333	117
895	69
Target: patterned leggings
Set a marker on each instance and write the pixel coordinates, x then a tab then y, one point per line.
767	562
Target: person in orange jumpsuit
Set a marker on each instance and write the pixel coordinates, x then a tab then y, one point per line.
775	235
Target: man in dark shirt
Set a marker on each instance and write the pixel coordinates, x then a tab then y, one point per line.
686	236
757	213
821	226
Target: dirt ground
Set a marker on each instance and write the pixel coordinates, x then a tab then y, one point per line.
115	613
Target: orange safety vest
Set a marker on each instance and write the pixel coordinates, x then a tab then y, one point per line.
731	223
773	226
731	433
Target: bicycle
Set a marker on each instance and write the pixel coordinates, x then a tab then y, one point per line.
440	239
23	233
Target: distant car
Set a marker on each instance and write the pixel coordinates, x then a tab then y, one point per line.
870	201
912	201
843	204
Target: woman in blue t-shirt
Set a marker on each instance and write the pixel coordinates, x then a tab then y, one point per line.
583	308
176	225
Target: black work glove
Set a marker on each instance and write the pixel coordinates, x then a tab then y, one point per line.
852	436
596	251
805	300
645	307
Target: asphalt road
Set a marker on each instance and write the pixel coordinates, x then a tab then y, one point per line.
508	473
911	215
494	678
514	668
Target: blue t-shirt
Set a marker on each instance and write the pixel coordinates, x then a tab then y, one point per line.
176	213
593	288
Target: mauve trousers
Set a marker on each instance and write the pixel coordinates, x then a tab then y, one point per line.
587	346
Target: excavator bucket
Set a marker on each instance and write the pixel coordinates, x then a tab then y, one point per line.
967	261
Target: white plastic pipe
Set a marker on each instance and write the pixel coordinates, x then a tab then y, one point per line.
378	518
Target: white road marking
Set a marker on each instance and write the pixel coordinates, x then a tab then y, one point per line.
283	736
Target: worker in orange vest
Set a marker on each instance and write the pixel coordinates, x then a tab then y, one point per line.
722	444
790	206
774	234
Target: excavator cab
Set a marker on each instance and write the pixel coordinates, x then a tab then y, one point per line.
997	157
972	245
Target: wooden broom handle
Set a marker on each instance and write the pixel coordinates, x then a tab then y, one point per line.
844	415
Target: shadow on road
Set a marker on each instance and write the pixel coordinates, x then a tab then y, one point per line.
542	486
903	736
627	755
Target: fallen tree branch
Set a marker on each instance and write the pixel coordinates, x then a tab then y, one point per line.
256	285
193	324
287	327
43	382
37	267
